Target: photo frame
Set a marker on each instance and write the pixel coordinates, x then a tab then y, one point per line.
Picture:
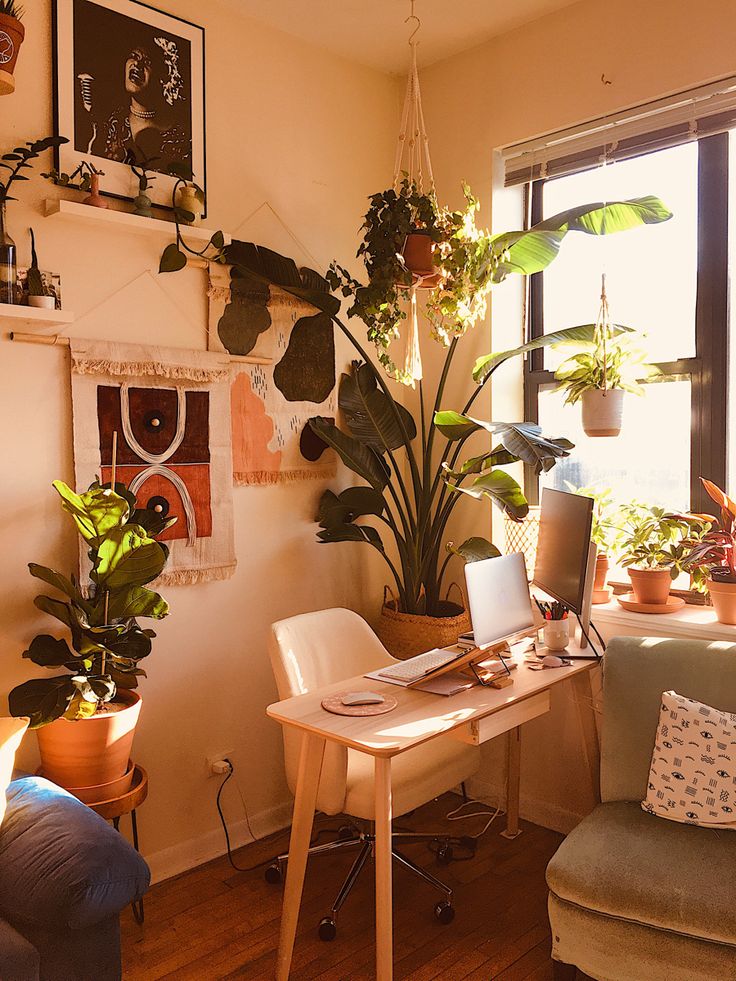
129	88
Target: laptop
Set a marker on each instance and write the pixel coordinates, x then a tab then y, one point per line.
499	600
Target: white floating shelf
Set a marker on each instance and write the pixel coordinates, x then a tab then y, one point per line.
34	317
74	211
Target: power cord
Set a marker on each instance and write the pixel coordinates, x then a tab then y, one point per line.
587	637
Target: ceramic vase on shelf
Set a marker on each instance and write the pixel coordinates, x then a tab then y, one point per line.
187	198
95	199
603	411
143	205
723	595
8	262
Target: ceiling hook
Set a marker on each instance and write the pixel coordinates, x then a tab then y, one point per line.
413	16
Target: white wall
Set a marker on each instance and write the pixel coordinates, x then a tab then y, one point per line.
313	135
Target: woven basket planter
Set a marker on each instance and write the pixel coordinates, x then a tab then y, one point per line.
406	634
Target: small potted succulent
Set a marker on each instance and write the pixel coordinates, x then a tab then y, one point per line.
655	543
714	555
599	374
89	180
39	295
86	718
12	34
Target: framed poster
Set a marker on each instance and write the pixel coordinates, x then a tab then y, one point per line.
129	88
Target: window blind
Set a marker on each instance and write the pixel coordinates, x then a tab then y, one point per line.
642	129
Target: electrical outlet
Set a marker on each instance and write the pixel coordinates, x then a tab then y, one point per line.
213	761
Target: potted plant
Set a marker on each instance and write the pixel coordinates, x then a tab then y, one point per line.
89	180
599	374
86	719
174	256
15	163
605	534
714	556
39	295
655	543
140	165
12	34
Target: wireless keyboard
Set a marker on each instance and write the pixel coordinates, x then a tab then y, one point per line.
421	665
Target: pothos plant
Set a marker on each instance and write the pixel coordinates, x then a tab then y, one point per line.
107	642
174	256
611	360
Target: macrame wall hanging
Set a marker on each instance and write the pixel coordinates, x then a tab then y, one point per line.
413	161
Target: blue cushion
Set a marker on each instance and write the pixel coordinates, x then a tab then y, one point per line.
61	864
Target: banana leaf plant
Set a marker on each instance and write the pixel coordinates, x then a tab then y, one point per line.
411	481
107	643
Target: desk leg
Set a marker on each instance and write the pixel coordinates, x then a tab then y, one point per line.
384	917
310	766
584	690
513	755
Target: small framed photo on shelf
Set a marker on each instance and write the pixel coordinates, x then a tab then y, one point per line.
129	88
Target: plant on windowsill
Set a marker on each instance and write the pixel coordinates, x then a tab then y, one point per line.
14	32
655	543
606	535
86	719
713	556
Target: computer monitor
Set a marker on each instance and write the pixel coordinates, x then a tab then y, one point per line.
498	596
564	548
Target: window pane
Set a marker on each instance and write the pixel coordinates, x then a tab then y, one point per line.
650	271
649	461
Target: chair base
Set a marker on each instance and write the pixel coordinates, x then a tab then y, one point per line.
444	911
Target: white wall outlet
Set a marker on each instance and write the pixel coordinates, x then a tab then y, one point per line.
216	766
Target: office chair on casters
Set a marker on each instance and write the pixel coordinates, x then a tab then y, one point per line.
317	649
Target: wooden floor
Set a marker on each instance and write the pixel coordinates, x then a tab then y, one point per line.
214	923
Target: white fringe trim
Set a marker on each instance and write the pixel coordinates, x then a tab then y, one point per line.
190	577
254	477
136	369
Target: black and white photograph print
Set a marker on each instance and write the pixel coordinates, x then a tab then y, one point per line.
130	90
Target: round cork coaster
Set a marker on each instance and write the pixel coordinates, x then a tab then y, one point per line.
333	703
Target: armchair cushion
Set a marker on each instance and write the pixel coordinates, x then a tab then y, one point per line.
61	864
626	864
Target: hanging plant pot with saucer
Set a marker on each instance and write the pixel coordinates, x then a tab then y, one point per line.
86	719
12	34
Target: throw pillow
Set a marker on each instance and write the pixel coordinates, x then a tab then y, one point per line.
11	733
692	778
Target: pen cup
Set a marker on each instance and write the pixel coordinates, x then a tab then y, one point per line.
556	634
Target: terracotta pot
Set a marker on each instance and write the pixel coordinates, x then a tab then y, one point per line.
105	791
95	199
603	411
602	592
723	595
417	253
12	33
651	585
93	751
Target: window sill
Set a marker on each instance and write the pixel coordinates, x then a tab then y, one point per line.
690	621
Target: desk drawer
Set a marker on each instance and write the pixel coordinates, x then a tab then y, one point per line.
481	730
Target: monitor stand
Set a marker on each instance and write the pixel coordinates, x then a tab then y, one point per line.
585	613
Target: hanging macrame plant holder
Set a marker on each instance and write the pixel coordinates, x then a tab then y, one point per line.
413	161
603	407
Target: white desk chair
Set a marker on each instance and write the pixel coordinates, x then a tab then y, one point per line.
317	649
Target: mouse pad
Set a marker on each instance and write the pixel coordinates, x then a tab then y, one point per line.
333	703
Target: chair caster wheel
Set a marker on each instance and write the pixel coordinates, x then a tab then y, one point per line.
344	833
445	912
273	874
445	854
327	929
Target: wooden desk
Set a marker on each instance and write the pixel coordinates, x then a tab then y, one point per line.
473	715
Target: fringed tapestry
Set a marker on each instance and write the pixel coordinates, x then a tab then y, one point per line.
271	404
170	409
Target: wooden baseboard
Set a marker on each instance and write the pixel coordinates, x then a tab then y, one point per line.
538	812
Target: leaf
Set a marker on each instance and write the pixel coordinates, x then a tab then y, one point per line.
55	608
137	602
370	414
218	241
96	512
721	499
361	459
584	333
42	699
151	521
275	269
526	442
525	252
453	425
342	533
128	557
48	652
501	488
362	501
608	218
474	549
172	259
59	582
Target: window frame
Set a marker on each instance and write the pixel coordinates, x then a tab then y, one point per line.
708	369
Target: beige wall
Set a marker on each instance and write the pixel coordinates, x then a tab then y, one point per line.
542	77
313	135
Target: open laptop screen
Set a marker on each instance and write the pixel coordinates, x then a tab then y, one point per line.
498	595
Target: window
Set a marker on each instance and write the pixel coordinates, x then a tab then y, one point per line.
670	282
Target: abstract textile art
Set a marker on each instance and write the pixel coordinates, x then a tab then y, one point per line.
272	403
170	409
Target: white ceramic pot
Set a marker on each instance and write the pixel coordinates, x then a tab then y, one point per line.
44	302
603	411
556	634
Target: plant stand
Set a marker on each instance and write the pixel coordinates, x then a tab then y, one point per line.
116	807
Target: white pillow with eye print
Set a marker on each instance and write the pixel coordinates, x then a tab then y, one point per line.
692	778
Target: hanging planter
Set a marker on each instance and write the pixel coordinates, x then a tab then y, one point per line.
603	411
12	34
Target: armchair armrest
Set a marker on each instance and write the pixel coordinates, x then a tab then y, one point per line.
61	864
19	959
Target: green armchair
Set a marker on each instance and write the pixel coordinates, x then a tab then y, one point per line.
634	897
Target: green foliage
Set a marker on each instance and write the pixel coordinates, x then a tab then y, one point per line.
714	554
107	643
174	256
19	160
606	532
11	8
653	538
85	171
609	361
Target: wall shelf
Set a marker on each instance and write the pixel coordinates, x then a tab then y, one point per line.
124	222
33	318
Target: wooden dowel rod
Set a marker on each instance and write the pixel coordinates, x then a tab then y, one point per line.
61	341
